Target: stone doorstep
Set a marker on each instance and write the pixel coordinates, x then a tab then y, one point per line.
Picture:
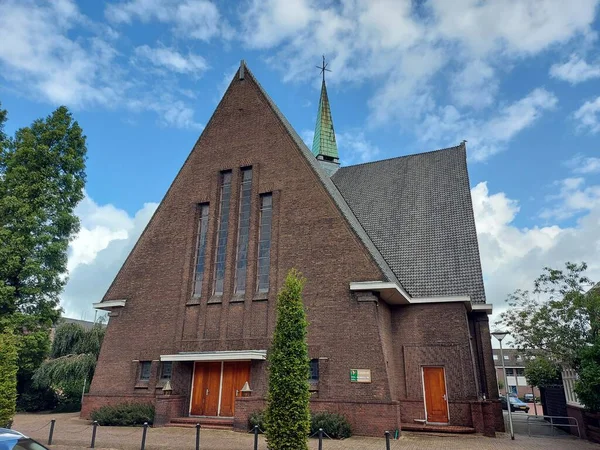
451	429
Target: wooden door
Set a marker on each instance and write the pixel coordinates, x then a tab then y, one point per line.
235	374
436	399
205	397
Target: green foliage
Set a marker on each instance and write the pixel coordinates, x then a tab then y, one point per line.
34	399
335	425
125	414
257	418
74	353
541	372
558	325
8	378
287	415
500	385
587	387
42	175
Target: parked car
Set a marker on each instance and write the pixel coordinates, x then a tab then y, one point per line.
515	404
13	440
529	397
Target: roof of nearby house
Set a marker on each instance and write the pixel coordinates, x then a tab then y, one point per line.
84	323
513	358
417	210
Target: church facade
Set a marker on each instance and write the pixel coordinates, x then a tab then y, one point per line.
398	323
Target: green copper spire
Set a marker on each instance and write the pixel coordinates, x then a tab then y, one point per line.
324	146
324	141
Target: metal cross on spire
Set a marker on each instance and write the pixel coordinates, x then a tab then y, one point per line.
323	68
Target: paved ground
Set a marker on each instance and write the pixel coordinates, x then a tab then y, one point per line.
73	433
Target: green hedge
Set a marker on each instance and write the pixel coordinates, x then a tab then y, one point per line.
8	378
125	414
335	425
257	418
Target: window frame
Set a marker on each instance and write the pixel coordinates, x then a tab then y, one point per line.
201	247
243	227
265	211
220	267
163	364
141	376
314	367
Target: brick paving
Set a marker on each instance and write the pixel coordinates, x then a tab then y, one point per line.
71	433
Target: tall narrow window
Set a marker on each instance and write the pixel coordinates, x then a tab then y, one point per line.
222	233
201	250
243	231
264	242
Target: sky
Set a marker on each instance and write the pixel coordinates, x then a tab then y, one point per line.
519	80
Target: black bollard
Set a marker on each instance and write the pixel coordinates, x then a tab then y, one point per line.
387	440
93	443
143	447
197	436
255	437
52	422
320	438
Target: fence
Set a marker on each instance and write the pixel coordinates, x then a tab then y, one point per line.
321	435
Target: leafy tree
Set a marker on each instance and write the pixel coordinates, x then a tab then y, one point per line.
74	354
587	387
8	377
560	325
542	372
42	175
288	415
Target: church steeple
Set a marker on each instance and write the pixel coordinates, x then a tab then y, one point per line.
324	144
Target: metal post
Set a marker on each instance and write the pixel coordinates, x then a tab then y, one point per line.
95	425
512	432
52	422
320	438
143	447
534	403
83	390
197	436
387	440
255	437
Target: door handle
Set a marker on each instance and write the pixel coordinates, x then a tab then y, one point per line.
236	392
445	397
206	391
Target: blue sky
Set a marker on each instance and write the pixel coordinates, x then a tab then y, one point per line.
518	79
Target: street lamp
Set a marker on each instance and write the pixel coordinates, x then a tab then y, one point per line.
501	335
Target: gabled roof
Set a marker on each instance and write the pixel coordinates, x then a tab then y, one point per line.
324	140
417	211
329	186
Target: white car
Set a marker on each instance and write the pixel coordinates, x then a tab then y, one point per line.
13	440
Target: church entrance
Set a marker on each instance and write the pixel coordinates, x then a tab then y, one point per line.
215	386
436	398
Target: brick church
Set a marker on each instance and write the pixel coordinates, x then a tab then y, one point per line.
398	331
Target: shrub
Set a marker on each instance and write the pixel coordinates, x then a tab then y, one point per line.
125	414
257	418
287	416
8	378
335	425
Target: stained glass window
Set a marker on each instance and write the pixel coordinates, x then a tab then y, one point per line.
264	242
201	250
243	231
222	232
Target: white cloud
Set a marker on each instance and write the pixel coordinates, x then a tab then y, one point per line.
512	257
588	116
171	111
487	137
573	198
404	47
475	85
172	60
196	19
511	26
355	148
96	254
584	164
575	70
37	54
